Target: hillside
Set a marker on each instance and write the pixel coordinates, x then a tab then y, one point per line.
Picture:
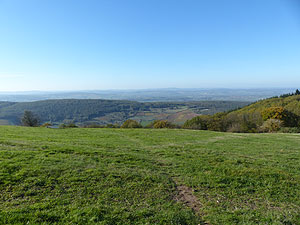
144	176
83	111
291	103
277	114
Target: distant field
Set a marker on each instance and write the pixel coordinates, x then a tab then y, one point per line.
145	176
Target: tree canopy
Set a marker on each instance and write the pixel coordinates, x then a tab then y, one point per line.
29	119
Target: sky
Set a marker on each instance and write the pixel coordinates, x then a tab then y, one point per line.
53	45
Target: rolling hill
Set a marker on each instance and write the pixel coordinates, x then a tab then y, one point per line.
83	111
291	103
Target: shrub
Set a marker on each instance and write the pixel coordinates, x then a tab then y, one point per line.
112	125
62	125
151	125
46	125
243	123
218	122
93	125
235	128
271	125
163	124
198	122
289	130
131	124
70	125
243	127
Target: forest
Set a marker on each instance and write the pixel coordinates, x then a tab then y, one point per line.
97	111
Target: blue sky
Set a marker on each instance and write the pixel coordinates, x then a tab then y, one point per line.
132	44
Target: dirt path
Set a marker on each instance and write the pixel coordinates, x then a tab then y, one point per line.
185	195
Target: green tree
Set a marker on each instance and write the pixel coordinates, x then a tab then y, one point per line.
218	122
243	123
198	122
29	119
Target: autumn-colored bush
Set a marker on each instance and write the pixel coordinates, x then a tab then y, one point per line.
163	124
46	125
288	118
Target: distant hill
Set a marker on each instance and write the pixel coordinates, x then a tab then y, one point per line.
84	111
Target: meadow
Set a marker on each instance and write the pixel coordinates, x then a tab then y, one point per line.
147	176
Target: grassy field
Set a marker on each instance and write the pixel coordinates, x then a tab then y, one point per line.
115	176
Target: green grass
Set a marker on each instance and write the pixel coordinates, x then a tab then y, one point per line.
120	176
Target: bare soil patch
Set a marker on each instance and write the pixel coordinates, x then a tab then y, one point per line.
186	196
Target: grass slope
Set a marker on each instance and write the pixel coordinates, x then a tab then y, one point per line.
115	176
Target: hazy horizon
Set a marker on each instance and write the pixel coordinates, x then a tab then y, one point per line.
149	89
151	95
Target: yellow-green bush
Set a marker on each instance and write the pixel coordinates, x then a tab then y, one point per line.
131	124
